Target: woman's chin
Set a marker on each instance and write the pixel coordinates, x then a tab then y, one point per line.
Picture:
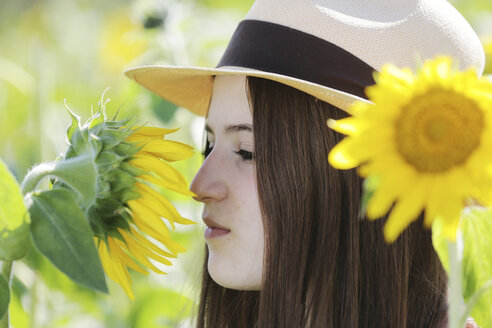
224	276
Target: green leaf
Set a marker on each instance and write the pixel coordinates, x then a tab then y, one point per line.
14	244
14	232
477	262
4	296
62	233
476	230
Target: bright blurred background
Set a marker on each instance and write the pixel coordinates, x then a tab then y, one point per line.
51	50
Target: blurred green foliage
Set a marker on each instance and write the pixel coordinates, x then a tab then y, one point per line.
51	50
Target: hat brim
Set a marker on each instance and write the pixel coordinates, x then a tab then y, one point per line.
191	87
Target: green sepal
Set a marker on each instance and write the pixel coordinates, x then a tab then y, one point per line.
126	149
108	207
119	179
108	160
79	144
116	234
117	124
96	119
96	144
126	195
75	122
14	219
4	296
102	225
96	222
116	222
112	137
100	116
61	232
133	170
103	188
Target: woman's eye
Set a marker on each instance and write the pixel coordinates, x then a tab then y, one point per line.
209	145
207	151
245	155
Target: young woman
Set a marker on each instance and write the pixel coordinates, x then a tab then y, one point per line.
285	244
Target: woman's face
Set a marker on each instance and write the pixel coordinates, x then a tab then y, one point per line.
226	185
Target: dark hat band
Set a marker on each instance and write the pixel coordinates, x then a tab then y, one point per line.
283	50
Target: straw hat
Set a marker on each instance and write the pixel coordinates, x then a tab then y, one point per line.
326	48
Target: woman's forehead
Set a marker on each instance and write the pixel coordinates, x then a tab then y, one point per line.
229	103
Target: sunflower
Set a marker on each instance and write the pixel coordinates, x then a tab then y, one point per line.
427	138
125	241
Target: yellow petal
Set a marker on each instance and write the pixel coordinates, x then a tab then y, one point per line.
143	214
173	247
379	204
150	202
182	220
164	170
115	270
406	210
167	185
347	126
148	252
449	210
141	254
162	205
168	149
431	208
147	243
117	250
342	155
450	228
150	131
393	184
146	190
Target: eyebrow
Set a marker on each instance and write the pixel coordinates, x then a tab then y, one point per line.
232	128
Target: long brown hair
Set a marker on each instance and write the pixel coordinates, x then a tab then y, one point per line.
323	266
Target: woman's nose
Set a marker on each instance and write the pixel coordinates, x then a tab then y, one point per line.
209	183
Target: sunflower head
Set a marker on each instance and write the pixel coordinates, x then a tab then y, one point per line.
113	168
426	136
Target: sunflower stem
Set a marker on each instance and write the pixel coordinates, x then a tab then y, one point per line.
7	273
80	173
456	303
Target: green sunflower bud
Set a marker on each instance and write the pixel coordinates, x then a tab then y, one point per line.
101	194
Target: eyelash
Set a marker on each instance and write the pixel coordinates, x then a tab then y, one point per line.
245	155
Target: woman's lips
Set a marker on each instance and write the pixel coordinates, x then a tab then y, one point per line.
213	229
214	232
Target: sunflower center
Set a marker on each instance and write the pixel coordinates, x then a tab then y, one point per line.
438	130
